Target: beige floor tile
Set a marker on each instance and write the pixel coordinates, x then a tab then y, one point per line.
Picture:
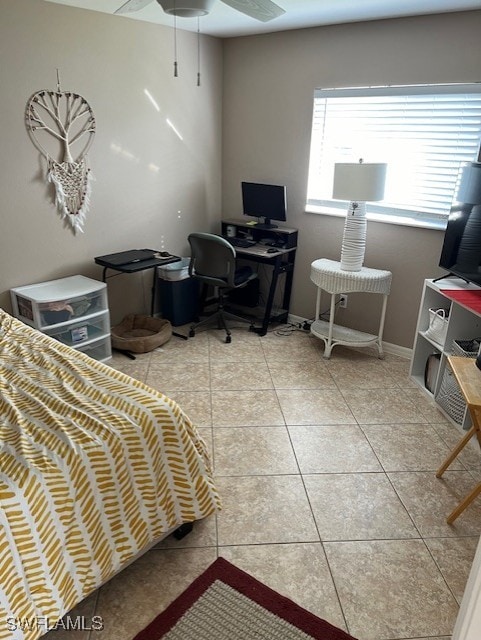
332	449
425	405
246	408
297	571
391	589
279	348
408	447
264	509
429	501
364	375
454	557
179	350
357	506
378	406
143	590
196	404
301	374
317	406
172	377
398	369
240	376
253	451
241	349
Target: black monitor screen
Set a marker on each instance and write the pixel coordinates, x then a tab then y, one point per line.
266	201
461	252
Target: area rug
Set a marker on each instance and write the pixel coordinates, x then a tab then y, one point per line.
225	603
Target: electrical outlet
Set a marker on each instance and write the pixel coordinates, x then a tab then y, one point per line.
343	300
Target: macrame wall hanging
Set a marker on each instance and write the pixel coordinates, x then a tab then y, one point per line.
62	125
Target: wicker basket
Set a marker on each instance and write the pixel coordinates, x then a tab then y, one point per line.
466	348
450	396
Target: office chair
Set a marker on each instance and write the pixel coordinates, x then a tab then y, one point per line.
212	262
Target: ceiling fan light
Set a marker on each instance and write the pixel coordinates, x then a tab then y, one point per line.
186	8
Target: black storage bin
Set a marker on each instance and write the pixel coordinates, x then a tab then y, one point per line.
178	300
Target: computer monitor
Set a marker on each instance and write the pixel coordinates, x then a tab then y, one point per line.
266	201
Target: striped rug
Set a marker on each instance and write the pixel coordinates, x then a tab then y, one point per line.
225	603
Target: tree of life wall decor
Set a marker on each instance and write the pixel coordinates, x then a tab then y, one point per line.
62	125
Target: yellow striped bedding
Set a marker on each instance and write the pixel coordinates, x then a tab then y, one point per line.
94	467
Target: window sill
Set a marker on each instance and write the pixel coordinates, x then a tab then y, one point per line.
405	221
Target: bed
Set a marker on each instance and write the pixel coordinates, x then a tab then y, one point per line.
95	467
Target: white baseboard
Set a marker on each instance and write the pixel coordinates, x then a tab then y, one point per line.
393	349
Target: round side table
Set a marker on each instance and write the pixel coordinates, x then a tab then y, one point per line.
328	276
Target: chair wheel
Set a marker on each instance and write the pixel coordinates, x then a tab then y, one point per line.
228	339
191	333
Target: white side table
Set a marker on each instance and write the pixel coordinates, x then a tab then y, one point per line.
327	275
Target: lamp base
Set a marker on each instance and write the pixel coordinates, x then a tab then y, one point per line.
354	238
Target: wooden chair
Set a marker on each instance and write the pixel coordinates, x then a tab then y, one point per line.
468	377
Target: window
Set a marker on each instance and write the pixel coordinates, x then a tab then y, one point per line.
424	134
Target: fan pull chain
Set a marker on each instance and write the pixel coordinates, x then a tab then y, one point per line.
198	52
175	47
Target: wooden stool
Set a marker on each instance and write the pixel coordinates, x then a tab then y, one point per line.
468	377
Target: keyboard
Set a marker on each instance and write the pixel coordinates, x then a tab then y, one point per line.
241	242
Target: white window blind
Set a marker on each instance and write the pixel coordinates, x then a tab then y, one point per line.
424	134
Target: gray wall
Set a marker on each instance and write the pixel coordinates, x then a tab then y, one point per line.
151	188
269	82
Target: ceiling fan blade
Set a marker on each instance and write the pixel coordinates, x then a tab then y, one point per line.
132	5
263	10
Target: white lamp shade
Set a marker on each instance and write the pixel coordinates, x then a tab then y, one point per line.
359	181
470	185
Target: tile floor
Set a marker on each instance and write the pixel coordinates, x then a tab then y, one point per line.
326	471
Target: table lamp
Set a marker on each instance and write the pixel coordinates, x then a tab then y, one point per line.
357	182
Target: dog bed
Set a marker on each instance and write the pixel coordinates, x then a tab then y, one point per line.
140	334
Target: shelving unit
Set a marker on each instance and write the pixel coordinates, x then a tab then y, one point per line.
73	310
463	323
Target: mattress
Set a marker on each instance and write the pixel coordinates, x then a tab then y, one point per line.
94	467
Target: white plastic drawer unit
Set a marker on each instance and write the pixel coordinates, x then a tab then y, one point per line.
99	349
58	302
73	310
83	331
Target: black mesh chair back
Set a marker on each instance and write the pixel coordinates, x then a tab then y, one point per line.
213	262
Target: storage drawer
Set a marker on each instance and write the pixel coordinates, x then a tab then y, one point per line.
83	331
98	350
59	301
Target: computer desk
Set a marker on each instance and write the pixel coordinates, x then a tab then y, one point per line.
281	261
134	267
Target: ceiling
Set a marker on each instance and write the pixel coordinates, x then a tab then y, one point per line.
225	22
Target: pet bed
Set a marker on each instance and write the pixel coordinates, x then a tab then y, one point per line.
140	334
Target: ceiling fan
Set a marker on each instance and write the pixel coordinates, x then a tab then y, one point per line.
263	10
